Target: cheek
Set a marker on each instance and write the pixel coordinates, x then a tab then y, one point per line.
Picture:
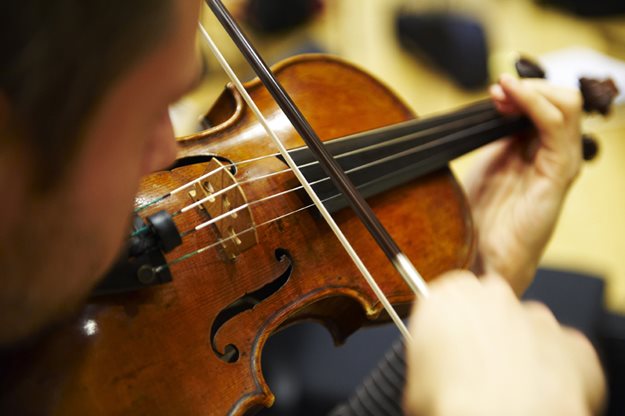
103	196
106	179
103	213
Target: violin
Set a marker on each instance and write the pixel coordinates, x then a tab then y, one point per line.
192	345
226	249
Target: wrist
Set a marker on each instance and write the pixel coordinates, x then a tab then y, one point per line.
518	272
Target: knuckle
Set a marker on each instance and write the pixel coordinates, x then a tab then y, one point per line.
534	83
576	102
540	312
453	284
578	337
554	120
568	99
572	103
462	276
497	285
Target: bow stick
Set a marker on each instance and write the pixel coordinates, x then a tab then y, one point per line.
399	260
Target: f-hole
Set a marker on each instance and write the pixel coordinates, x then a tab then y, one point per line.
197	159
247	302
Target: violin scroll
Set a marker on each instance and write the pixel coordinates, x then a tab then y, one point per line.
597	95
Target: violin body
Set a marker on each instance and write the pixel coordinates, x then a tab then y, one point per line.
193	346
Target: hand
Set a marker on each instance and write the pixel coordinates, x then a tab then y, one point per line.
478	351
517	190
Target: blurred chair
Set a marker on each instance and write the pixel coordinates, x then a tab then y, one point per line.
454	43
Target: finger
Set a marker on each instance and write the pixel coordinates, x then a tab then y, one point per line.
502	102
549	120
454	282
451	287
568	100
541	314
587	360
497	93
507	108
546	116
497	286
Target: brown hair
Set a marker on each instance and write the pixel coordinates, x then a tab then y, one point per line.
59	58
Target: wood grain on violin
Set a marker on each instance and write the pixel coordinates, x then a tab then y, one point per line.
193	346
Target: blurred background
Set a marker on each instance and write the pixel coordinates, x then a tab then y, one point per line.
438	55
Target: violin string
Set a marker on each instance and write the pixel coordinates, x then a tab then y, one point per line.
472	120
368	148
452	138
231	237
239	208
213	195
201	178
460	123
460	120
267	222
358	204
487	120
255	227
324	212
381	178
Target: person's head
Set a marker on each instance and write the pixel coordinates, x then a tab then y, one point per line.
84	92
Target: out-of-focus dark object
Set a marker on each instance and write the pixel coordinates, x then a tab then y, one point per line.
596	8
272	16
598	94
590	147
456	44
527	68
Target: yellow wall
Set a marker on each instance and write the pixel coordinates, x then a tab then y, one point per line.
591	234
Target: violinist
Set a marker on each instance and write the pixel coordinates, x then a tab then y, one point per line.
84	96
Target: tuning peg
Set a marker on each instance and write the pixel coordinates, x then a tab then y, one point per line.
527	68
598	96
590	147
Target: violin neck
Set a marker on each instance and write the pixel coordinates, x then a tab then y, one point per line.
383	158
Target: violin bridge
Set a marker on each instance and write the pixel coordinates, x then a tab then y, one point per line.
224	198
